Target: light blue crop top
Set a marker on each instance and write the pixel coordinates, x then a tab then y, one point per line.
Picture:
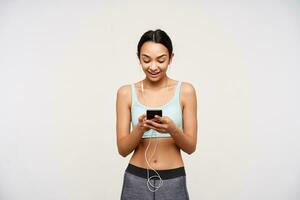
172	109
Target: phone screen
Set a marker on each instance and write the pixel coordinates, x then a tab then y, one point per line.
152	113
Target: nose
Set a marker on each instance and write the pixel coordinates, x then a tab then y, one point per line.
153	66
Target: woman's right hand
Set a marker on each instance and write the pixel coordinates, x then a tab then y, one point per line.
141	123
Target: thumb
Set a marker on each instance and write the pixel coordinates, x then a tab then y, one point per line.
141	117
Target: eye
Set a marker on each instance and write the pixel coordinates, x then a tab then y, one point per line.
160	61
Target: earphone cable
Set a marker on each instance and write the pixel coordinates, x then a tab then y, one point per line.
149	178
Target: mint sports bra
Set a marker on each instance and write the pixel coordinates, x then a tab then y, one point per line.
172	109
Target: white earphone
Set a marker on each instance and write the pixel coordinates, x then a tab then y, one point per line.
149	178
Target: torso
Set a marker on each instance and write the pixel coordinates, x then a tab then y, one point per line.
167	154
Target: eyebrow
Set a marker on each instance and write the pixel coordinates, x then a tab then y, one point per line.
157	56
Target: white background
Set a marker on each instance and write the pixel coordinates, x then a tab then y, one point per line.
61	63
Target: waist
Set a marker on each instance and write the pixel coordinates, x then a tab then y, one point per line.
167	154
163	173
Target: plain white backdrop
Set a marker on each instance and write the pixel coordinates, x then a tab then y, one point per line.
61	63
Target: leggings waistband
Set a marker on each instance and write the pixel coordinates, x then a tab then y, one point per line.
163	173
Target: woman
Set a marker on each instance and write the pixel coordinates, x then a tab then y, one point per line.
156	169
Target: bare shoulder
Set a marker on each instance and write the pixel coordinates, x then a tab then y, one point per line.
124	93
188	92
124	90
188	89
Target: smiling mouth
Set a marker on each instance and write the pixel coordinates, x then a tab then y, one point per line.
154	73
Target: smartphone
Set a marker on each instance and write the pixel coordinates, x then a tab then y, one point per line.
152	113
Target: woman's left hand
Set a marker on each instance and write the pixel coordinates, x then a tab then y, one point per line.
162	124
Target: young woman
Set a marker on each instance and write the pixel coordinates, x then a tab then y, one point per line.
156	169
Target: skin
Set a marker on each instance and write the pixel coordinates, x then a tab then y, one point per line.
168	150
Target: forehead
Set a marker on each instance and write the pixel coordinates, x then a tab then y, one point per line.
153	49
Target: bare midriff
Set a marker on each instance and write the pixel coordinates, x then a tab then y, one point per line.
167	155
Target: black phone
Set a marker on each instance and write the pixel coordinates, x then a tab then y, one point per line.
152	113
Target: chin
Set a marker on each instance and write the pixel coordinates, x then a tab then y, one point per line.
154	78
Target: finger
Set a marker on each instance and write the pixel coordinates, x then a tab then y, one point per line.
142	117
150	126
154	124
157	117
156	129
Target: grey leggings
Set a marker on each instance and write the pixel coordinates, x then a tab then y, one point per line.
135	187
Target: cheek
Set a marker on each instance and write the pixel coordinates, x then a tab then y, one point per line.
144	67
164	67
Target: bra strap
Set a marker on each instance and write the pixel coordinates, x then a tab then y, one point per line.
133	94
177	92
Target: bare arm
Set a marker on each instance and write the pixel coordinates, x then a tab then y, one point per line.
188	141
126	141
185	142
129	142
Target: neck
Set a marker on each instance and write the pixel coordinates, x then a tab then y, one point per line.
148	84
